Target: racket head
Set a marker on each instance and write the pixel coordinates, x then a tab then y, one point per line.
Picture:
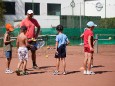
40	43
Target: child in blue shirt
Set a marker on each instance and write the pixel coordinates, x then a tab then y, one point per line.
61	42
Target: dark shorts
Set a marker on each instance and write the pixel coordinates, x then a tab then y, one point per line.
61	52
87	49
34	48
8	54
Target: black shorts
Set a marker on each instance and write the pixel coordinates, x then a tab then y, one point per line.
34	48
61	51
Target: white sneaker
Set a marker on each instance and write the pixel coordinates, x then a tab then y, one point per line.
8	71
91	66
90	73
64	73
85	72
56	73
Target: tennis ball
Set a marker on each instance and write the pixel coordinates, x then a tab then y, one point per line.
110	38
48	47
34	39
46	56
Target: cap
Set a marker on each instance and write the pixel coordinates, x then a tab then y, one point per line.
23	28
59	27
91	24
9	27
30	12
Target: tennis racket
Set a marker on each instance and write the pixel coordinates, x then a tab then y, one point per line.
104	39
39	43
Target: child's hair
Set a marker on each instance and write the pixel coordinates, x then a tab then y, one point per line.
23	28
59	28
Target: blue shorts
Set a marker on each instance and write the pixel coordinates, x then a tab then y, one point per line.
61	51
34	48
8	54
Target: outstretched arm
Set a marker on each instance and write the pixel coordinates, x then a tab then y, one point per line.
5	39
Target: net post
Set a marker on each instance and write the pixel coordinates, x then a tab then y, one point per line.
96	43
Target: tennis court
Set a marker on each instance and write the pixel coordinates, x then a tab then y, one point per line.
104	68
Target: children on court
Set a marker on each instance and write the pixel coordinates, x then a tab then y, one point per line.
88	47
22	51
8	47
60	55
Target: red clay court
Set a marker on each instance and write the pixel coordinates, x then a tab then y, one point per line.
104	67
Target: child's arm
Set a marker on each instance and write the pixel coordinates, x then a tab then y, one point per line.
27	44
56	46
82	35
5	39
17	42
67	41
89	42
94	41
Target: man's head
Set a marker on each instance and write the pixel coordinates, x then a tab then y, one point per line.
23	29
30	13
91	24
59	28
9	27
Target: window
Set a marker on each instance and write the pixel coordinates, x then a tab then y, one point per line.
54	9
9	8
33	6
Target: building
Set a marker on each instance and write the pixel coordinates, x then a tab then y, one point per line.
103	8
48	12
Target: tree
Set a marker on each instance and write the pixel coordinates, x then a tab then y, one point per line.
2	10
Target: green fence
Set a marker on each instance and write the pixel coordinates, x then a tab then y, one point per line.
72	33
78	21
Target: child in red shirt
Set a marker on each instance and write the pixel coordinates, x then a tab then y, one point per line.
88	47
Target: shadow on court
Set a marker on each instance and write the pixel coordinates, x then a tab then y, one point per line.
101	72
36	72
72	72
97	66
45	67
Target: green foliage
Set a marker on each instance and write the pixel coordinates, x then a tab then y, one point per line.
1	13
107	23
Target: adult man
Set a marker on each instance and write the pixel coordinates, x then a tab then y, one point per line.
88	47
31	23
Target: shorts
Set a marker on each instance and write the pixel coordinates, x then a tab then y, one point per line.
87	49
22	53
8	54
34	48
61	51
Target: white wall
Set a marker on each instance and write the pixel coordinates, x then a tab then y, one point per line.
90	8
46	21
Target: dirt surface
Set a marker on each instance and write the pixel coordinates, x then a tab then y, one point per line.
104	67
